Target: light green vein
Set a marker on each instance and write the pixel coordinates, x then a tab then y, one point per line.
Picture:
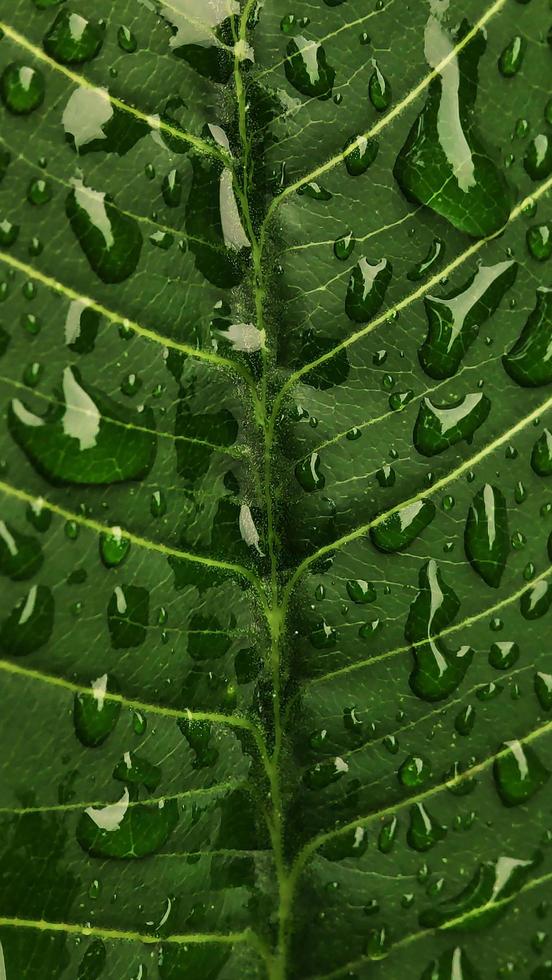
72	928
153	801
430	491
396	111
317	842
233	721
237	452
200	145
407	300
148	545
459	921
137	328
464	624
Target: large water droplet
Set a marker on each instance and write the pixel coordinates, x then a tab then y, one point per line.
511	59
127	829
128	616
424	830
454	320
91	123
529	362
85	437
21	88
444	164
437	671
29	625
486	537
538	157
111	240
307	68
437	428
20	555
73	39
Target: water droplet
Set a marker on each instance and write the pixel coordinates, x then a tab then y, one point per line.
94	714
485	898
539	241
379	90
518	773
307	69
435	253
21	88
438	427
122	831
486	537
114	547
511	59
128	616
437	671
424	830
344	245
111	240
323	774
388	835
126	39
543	690
538	157
308	473
30	623
453	964
454	320
20	555
86	438
360	591
444	164
8	233
536	601
401	528
465	720
503	655
73	39
172	188
529	362
414	771
360	153
367	287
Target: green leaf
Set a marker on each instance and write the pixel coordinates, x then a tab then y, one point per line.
275	538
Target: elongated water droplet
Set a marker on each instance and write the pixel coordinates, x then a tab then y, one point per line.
536	601
439	427
529	362
511	59
486	537
539	241
94	714
543	690
309	475
538	157
435	253
379	90
172	188
454	320
126	39
444	164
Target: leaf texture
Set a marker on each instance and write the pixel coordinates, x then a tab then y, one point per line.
275	529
